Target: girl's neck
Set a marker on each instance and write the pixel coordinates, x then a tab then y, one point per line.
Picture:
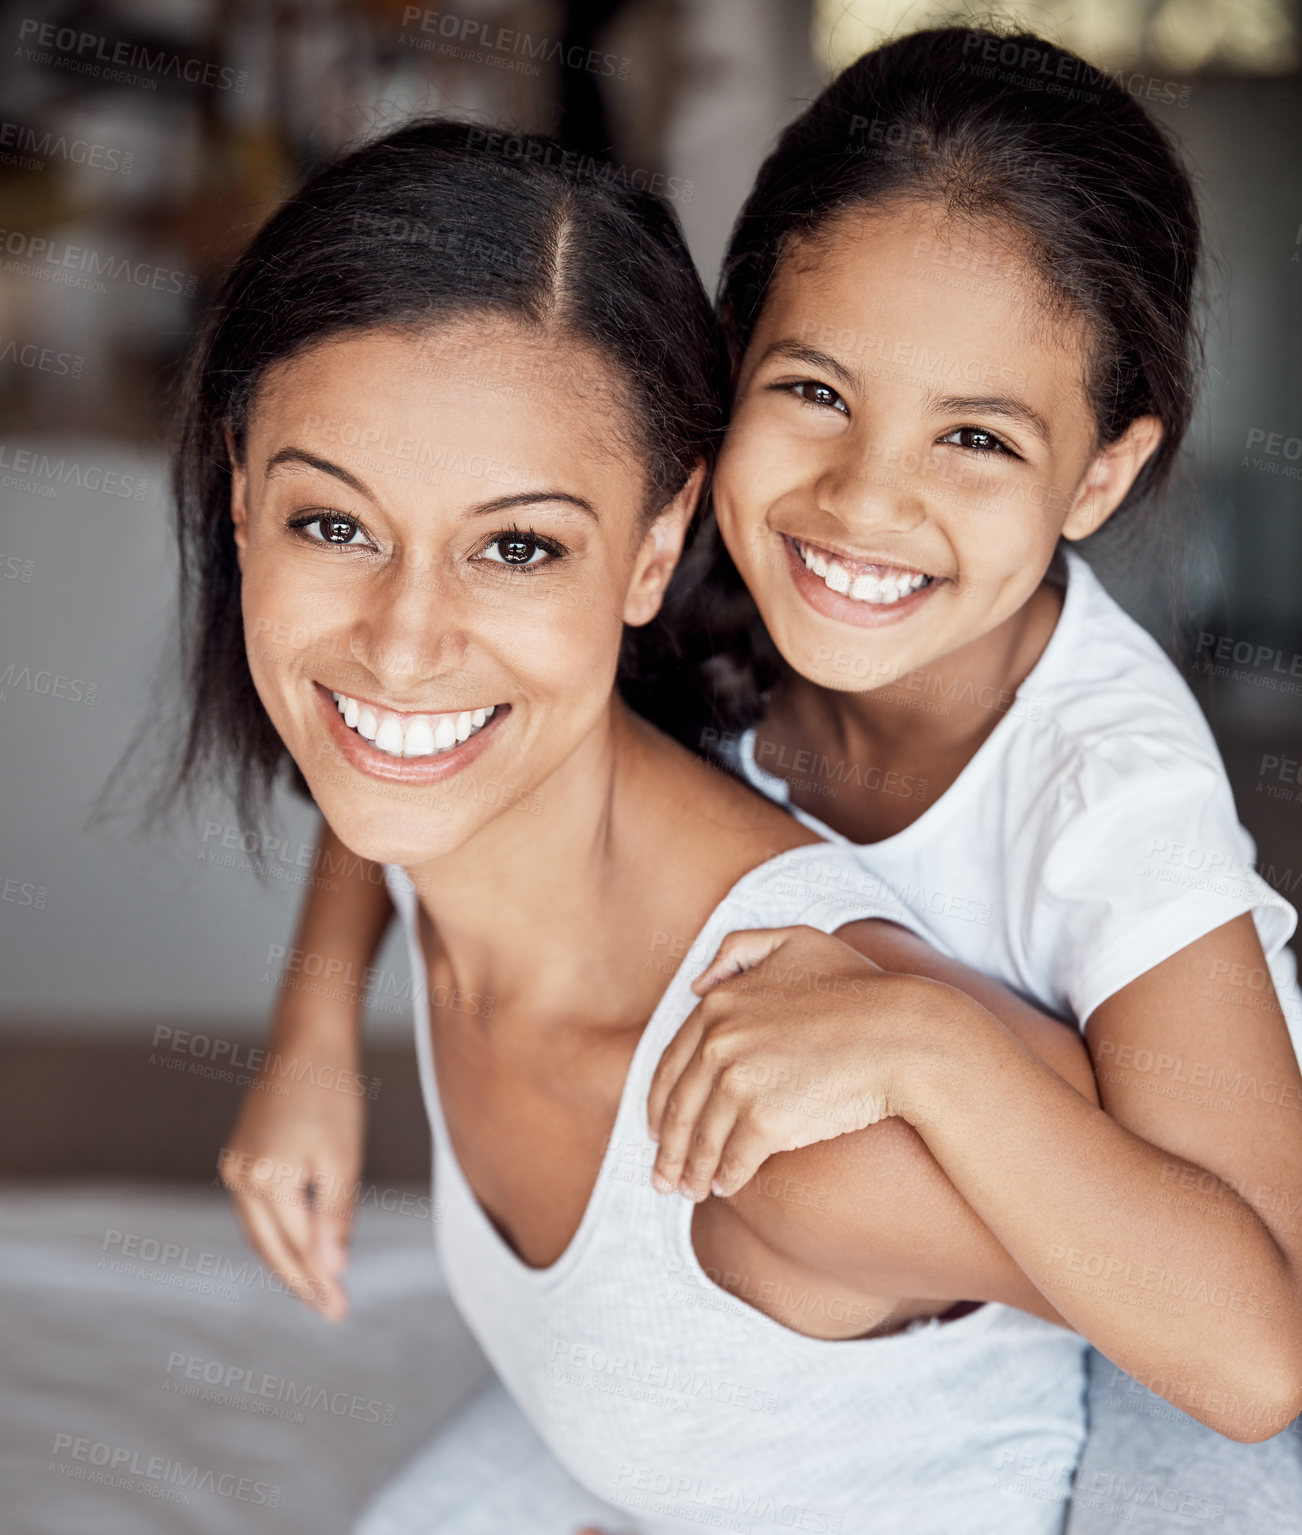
925	728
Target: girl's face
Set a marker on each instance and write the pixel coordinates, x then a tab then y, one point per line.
446	530
910	438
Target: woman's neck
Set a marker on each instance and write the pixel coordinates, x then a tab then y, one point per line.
574	910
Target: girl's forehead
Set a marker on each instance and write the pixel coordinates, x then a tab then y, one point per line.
914	266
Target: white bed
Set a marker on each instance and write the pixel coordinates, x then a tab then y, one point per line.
118	1352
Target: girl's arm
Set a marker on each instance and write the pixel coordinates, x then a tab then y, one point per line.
298	1127
1159	1225
796	1086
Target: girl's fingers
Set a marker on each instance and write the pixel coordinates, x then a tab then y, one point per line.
739	951
261	1235
682	1110
673	1061
332	1219
290	1211
270	1241
744	1153
713	1127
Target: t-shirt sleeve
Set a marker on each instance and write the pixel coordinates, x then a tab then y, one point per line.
1141	855
829	886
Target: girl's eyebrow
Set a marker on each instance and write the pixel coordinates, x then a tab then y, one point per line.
794	351
1006	405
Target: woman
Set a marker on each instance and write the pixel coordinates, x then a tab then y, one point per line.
557	391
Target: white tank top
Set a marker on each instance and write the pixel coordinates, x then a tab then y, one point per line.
685	1407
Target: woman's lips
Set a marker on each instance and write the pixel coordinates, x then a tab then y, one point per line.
376	763
846	609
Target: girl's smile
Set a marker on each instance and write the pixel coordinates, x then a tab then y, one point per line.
856	591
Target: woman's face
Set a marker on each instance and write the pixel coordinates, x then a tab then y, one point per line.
446	530
910	438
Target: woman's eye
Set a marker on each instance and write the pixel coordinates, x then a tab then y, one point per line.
520	549
978	440
814	393
331	528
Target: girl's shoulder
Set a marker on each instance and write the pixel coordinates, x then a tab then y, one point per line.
1104	680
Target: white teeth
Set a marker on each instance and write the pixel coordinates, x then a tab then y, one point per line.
414	735
389	736
881	591
419	740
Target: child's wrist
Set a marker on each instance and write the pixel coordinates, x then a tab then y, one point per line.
307	1020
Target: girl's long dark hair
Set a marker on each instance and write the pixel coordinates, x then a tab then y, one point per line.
438	220
1004	127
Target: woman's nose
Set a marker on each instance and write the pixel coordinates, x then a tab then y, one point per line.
417	624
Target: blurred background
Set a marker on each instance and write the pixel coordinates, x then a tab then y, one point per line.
140	145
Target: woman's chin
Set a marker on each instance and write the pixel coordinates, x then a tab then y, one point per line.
387	838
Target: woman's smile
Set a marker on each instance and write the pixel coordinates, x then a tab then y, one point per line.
417	748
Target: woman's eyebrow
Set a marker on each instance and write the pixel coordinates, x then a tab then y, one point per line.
533	498
794	351
311	461
1006	405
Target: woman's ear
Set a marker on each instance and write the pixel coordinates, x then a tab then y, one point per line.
1110	476
239	498
657	558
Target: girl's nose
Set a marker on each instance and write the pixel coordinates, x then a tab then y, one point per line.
872	487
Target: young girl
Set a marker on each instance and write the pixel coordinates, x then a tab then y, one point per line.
959	307
958	302
571	341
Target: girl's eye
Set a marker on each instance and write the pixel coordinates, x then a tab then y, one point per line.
814	393
331	528
978	440
520	549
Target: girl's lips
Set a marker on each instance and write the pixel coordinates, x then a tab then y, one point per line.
864	615
375	763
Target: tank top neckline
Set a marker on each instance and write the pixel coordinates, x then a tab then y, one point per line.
629	1104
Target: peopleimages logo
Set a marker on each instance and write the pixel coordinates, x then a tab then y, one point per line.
20	141
121	1463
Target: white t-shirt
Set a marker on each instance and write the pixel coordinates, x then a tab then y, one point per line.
1093	834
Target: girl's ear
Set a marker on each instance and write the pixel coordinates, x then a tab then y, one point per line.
1110	476
239	493
659	553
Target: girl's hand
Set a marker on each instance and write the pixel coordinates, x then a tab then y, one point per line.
294	1159
799	1038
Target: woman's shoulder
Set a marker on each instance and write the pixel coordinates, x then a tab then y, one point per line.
699	797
